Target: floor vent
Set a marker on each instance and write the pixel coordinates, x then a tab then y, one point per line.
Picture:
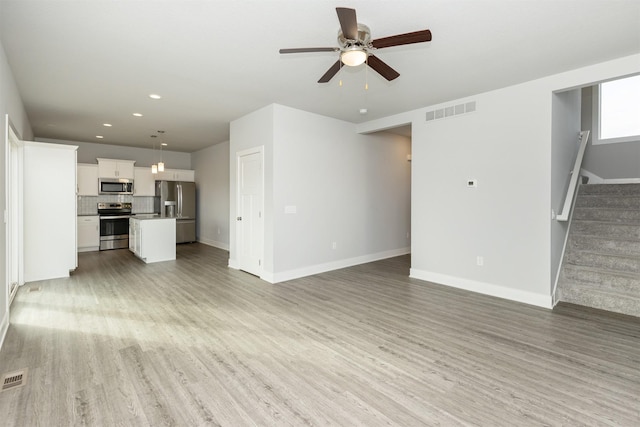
35	289
14	379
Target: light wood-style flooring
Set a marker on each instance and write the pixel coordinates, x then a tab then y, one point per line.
191	343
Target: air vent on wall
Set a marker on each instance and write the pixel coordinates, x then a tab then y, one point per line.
450	111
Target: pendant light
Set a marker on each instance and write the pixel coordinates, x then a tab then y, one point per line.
154	167
161	163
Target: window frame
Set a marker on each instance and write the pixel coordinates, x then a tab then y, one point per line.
595	117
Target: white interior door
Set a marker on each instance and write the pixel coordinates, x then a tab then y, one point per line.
249	220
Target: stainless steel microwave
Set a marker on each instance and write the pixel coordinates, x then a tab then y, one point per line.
115	186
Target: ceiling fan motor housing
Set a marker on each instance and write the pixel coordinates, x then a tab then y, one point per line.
364	39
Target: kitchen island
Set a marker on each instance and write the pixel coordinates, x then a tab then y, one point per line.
152	238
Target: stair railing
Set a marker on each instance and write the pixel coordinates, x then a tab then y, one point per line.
575	175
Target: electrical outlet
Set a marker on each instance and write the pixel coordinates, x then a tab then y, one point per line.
480	260
334	245
218	230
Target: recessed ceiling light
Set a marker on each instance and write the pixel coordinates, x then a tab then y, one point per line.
137	114
164	144
99	136
107	125
154	96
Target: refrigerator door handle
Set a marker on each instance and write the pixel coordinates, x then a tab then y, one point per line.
179	213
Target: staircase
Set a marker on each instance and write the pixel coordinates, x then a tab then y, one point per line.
601	266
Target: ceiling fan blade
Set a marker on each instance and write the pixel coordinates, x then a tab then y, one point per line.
330	73
310	49
400	39
348	22
382	68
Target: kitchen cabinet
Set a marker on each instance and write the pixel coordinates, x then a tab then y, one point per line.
176	175
152	238
144	182
112	168
87	179
88	233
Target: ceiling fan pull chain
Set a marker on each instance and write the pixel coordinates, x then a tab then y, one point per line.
366	74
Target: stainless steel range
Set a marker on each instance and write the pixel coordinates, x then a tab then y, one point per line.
114	225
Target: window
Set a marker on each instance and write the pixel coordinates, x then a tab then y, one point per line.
619	110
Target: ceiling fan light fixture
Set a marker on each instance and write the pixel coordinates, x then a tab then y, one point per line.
353	56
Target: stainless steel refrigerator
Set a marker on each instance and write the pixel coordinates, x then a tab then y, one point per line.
177	199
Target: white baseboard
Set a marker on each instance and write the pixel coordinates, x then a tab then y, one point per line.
595	179
4	327
283	276
214	243
484	288
622	181
89	249
233	263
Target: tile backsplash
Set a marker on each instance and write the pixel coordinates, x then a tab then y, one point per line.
88	205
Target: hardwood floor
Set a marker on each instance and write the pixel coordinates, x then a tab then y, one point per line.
192	342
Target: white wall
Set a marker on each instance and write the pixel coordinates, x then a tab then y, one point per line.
505	219
11	104
89	151
506	145
350	189
564	149
346	188
211	166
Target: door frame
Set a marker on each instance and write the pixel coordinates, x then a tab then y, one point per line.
239	155
14	208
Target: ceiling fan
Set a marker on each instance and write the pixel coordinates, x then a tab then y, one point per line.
356	46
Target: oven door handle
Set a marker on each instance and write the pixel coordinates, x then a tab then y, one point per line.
116	217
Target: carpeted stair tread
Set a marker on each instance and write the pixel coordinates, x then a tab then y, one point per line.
605	300
606	229
613	215
604	244
615	262
601	277
622	201
608	189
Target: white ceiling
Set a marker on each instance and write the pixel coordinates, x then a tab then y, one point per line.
79	64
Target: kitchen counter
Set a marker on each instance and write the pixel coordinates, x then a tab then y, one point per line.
152	238
147	216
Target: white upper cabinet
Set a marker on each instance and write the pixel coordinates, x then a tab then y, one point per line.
111	168
87	179
144	182
176	175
